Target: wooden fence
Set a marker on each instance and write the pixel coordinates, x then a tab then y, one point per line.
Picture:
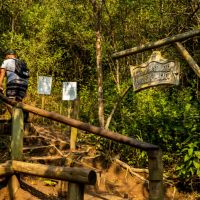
76	186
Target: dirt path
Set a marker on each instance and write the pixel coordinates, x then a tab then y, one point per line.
113	182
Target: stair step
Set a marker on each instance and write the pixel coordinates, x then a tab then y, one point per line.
40	150
35	140
51	160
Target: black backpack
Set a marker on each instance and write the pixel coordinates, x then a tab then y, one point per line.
21	69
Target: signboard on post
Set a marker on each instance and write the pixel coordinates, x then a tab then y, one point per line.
156	71
69	91
44	85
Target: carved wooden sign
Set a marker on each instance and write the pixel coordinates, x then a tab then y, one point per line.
156	71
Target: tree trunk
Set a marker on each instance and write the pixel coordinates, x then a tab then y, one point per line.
100	78
97	9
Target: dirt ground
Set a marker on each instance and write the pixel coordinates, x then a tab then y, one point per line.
113	182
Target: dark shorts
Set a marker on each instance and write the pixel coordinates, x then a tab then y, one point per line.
16	90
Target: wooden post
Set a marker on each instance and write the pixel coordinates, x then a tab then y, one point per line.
60	111
17	134
75	191
156	191
74	131
16	147
43	103
185	54
13	186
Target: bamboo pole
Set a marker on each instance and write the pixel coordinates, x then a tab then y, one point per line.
185	54
83	126
156	191
158	43
75	174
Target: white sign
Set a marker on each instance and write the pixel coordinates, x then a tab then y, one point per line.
44	85
156	71
69	91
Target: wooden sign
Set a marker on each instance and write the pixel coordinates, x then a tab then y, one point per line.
156	71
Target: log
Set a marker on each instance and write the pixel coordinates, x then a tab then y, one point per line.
185	54
83	126
126	166
159	43
75	174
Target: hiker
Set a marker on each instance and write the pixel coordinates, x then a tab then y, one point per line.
16	86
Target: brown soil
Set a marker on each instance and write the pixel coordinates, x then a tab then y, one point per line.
113	182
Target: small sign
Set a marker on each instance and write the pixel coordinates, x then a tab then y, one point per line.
69	91
44	85
156	71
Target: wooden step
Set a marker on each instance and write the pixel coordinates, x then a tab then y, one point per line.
35	140
40	150
49	160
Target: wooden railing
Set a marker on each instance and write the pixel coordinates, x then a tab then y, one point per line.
77	177
154	152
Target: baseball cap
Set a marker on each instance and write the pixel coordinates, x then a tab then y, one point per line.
10	52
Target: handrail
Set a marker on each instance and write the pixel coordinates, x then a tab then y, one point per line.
81	125
70	174
76	190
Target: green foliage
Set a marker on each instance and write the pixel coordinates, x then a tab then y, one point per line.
57	38
190	166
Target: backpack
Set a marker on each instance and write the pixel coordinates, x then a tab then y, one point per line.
21	69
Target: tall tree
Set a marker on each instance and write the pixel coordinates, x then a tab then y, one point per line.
97	8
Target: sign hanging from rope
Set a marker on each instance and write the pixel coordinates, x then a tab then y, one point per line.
156	71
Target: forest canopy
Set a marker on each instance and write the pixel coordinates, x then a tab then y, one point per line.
73	40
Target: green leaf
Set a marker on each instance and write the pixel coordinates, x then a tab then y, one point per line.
191	170
197	154
187	107
186	158
198	172
196	164
190	151
50	182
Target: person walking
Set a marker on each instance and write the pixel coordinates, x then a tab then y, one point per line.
16	86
